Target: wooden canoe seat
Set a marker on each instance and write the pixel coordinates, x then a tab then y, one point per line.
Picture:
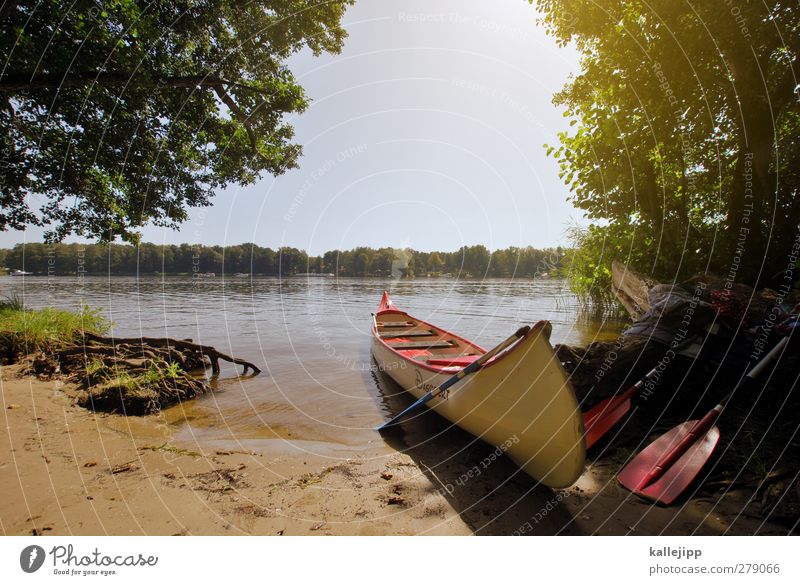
461	361
395	324
417	333
422	344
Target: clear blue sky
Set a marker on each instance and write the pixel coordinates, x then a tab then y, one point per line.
427	131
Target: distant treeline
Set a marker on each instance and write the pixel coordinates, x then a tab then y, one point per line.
469	261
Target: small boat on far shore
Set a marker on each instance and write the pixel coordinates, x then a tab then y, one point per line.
20	273
521	400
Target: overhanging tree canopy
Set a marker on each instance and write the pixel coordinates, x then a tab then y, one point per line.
125	112
684	151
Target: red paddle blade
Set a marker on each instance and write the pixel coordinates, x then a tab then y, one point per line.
598	425
675	478
599	419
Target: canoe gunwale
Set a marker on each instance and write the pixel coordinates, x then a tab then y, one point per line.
534	330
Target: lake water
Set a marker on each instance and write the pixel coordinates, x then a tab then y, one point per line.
311	336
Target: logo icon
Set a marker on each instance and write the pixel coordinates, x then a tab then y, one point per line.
31	558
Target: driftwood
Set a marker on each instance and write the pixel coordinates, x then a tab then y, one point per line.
181	345
133	375
631	288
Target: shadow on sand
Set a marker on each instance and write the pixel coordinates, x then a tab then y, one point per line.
486	489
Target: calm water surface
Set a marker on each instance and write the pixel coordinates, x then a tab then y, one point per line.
311	336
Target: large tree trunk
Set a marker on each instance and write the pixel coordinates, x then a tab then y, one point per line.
752	201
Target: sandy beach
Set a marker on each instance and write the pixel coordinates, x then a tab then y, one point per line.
68	471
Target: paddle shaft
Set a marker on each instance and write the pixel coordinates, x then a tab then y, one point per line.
471	368
604	416
702	426
609	404
669	458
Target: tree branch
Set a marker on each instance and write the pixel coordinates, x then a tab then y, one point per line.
243	118
22	82
25	82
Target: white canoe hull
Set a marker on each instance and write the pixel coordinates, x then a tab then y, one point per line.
521	402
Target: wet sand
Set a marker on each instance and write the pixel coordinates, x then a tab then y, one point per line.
67	471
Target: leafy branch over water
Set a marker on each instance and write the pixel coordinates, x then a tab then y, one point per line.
119	114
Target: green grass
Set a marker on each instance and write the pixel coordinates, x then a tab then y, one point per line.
140	385
11	303
95	368
139	391
24	331
156	374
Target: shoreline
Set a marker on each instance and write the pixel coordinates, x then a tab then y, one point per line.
68	471
313	275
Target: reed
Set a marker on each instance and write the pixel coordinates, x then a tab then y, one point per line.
24	331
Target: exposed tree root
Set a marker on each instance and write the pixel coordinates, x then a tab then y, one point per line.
134	375
178	345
